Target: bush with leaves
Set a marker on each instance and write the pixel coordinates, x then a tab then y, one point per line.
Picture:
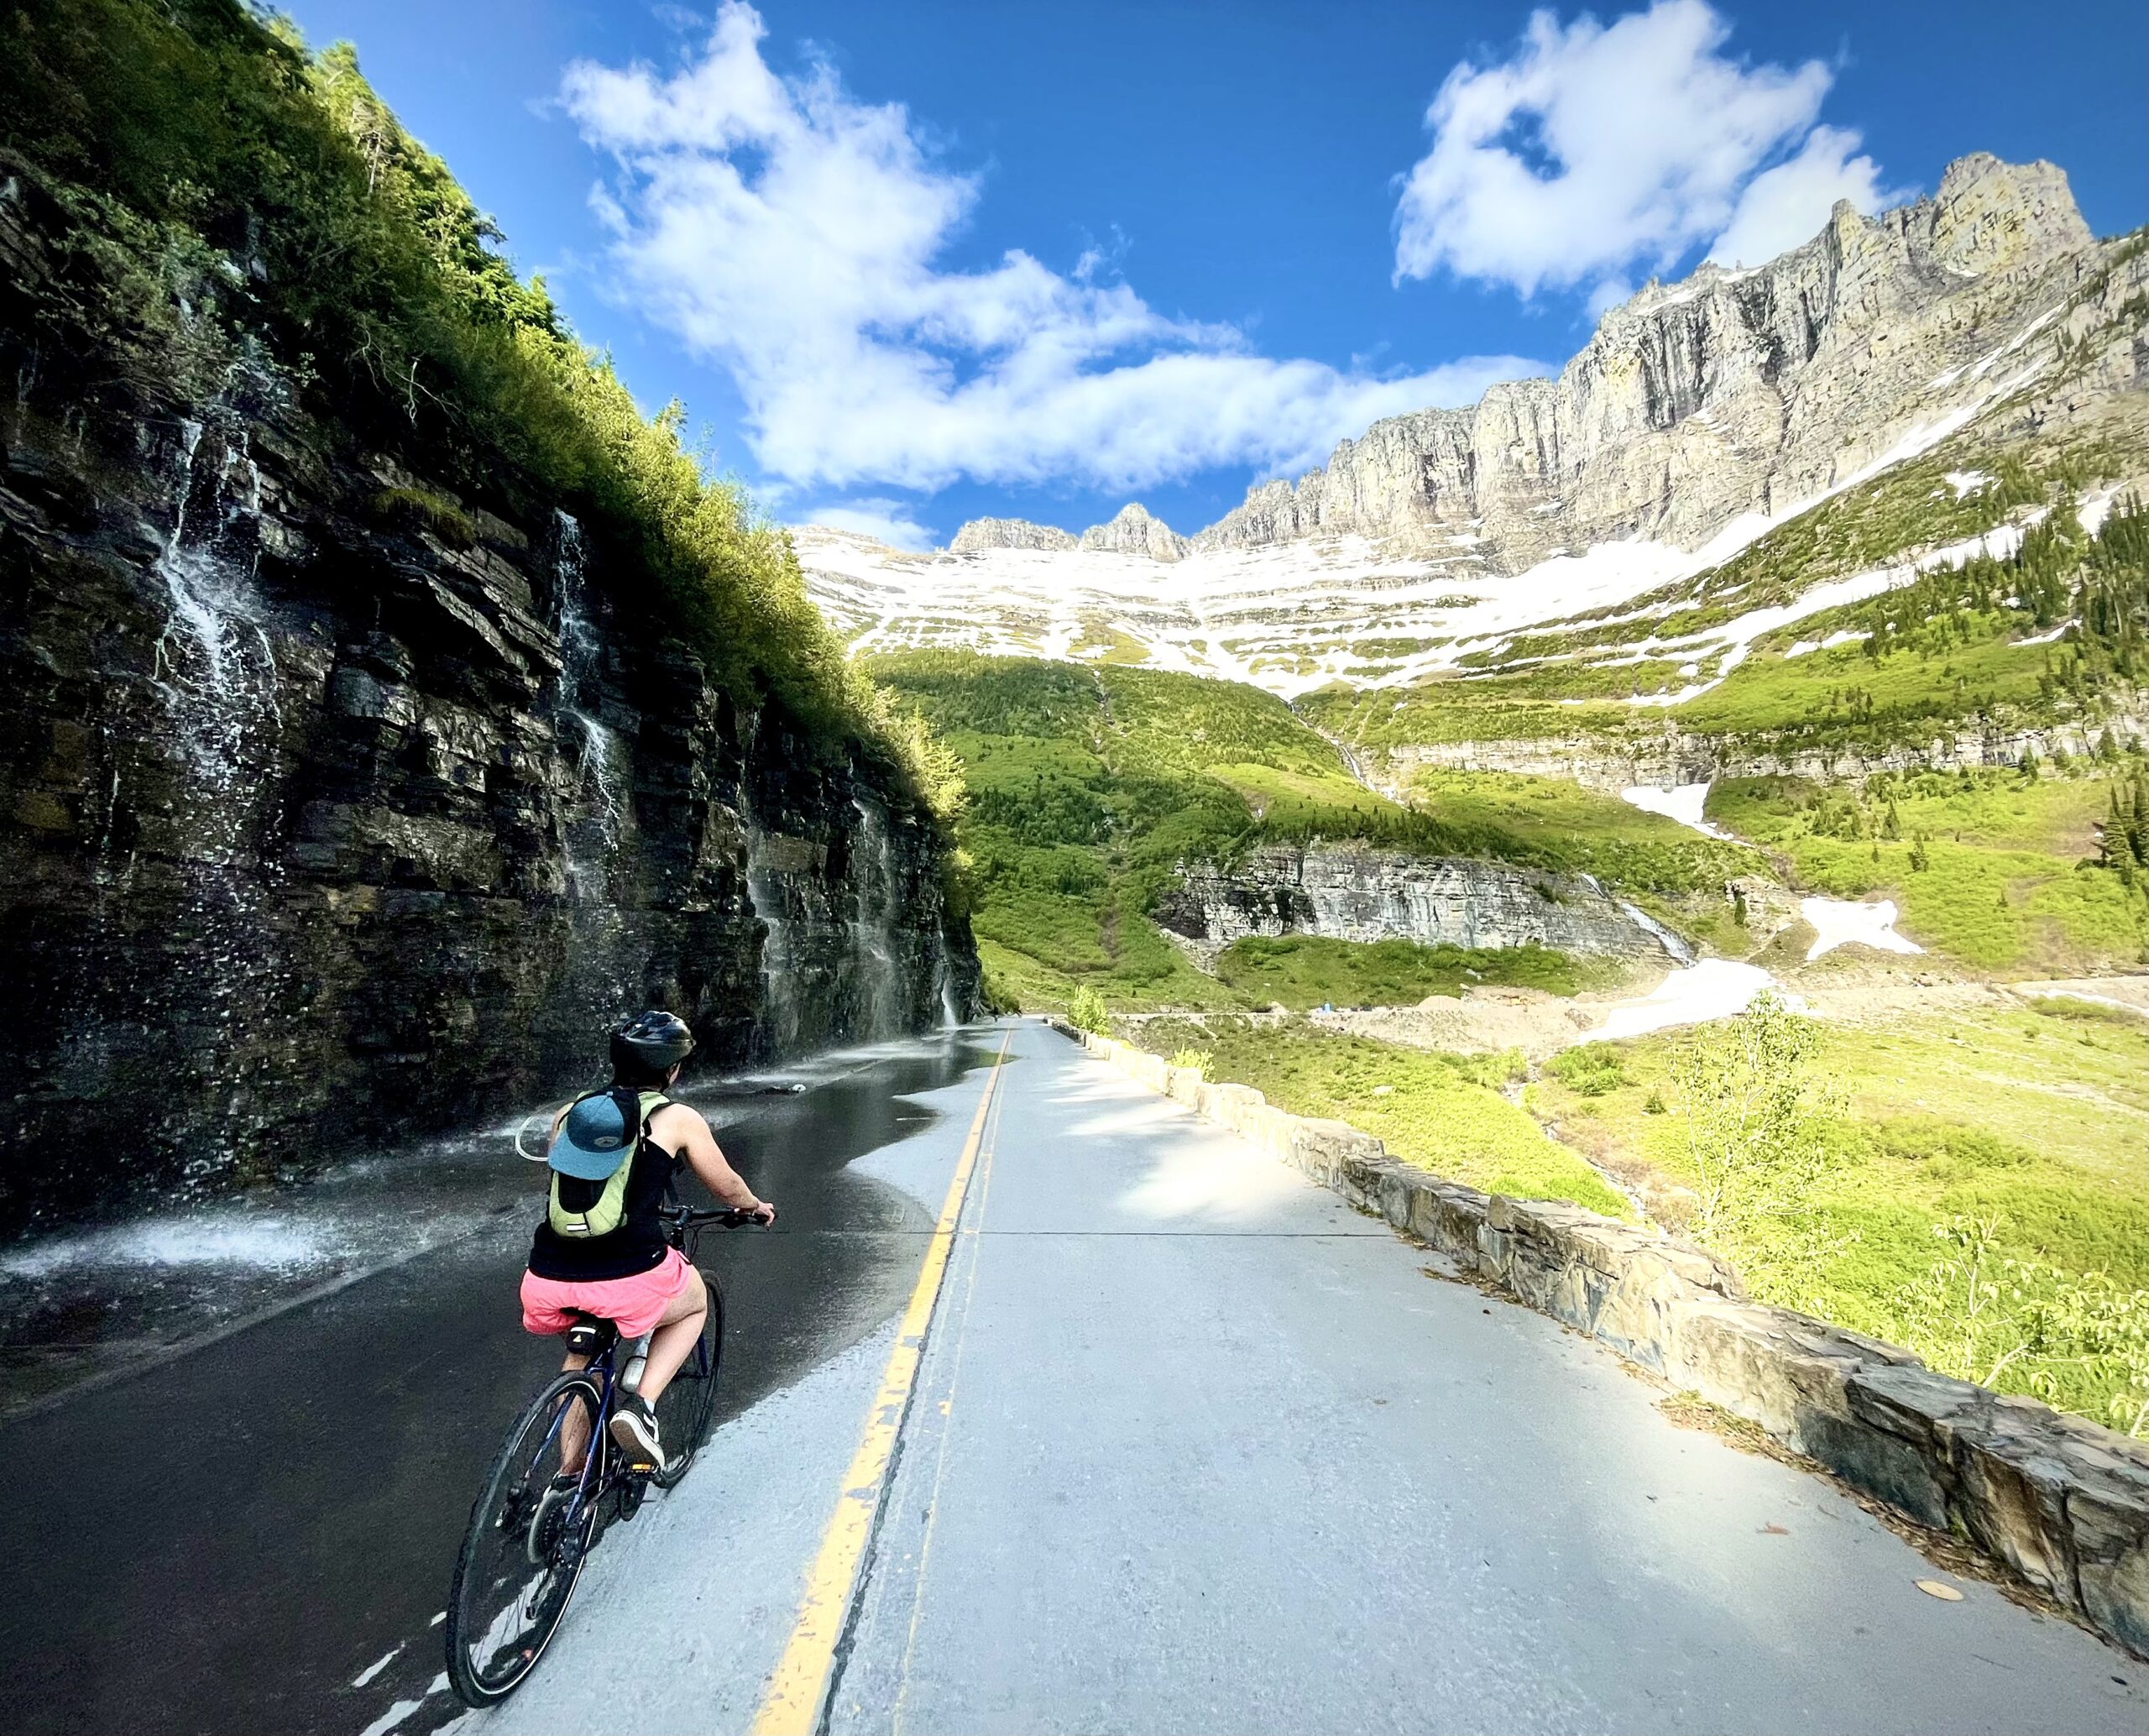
1200	1059
1086	1011
2076	1341
1752	1105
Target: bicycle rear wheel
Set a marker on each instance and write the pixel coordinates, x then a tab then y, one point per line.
530	1534
688	1403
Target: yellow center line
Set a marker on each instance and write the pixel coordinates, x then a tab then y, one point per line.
791	1704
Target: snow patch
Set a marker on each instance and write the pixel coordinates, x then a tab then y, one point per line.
2059	632
1846	637
1682	802
1712	989
1837	922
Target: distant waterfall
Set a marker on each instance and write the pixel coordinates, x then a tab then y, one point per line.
882	1002
779	967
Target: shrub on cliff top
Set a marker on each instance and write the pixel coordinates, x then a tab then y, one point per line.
200	154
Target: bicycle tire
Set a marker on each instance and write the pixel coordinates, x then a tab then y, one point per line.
498	1543
685	1411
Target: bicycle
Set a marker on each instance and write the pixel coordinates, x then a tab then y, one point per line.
532	1528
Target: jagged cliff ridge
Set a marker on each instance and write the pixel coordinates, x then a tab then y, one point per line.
346	797
1732	391
1982	325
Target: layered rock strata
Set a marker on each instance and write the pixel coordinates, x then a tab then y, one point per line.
1733	391
334	809
1675	757
1346	892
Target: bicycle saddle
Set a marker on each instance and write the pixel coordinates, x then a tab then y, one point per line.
591	1335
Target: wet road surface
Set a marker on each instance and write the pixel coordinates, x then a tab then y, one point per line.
225	1540
1192	1447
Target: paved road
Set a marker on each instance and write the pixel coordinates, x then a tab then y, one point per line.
228	1540
1194	1447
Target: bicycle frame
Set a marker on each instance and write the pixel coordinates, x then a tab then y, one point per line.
603	1369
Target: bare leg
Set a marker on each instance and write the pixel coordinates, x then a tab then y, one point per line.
674	1341
574	1426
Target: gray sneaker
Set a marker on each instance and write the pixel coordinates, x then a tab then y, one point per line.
634	1429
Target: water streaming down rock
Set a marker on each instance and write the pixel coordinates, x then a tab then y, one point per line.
215	672
596	808
779	979
878	991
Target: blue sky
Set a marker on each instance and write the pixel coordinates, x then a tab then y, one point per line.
909	264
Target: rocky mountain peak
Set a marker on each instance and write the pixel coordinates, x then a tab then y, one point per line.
1134	532
980	534
1991	216
1730	391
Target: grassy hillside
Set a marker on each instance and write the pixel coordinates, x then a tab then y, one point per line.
2026	1122
223	211
1446	1113
1088	785
2014	874
2053	630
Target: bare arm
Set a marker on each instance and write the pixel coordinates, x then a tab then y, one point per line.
699	1146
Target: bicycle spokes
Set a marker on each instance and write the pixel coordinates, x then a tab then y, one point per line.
527	1542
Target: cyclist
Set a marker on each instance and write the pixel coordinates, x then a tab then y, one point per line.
600	1248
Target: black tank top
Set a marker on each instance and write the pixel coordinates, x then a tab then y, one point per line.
636	1246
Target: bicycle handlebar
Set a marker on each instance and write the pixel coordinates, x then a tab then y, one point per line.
692	1217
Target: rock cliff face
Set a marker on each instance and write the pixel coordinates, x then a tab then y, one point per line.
1355	893
334	809
1677	756
980	535
1734	391
1132	531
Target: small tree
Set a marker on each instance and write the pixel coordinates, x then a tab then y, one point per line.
1086	1011
1751	1103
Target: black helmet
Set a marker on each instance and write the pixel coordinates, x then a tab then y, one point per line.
652	1042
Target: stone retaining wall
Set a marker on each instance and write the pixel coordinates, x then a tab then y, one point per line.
2061	1503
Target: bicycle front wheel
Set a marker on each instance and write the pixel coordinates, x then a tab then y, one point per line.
688	1403
530	1534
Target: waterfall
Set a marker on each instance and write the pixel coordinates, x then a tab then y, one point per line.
223	978
944	985
597	809
602	813
1681	952
882	1004
779	976
214	663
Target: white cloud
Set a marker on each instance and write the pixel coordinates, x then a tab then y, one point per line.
795	236
1596	149
1786	205
883	519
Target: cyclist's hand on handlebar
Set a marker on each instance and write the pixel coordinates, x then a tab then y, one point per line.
763	1213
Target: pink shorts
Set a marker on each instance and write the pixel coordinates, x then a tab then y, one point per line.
636	1302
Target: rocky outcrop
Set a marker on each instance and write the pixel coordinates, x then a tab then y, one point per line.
1672	757
335	808
1132	531
1348	892
1733	391
2056	1501
980	534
